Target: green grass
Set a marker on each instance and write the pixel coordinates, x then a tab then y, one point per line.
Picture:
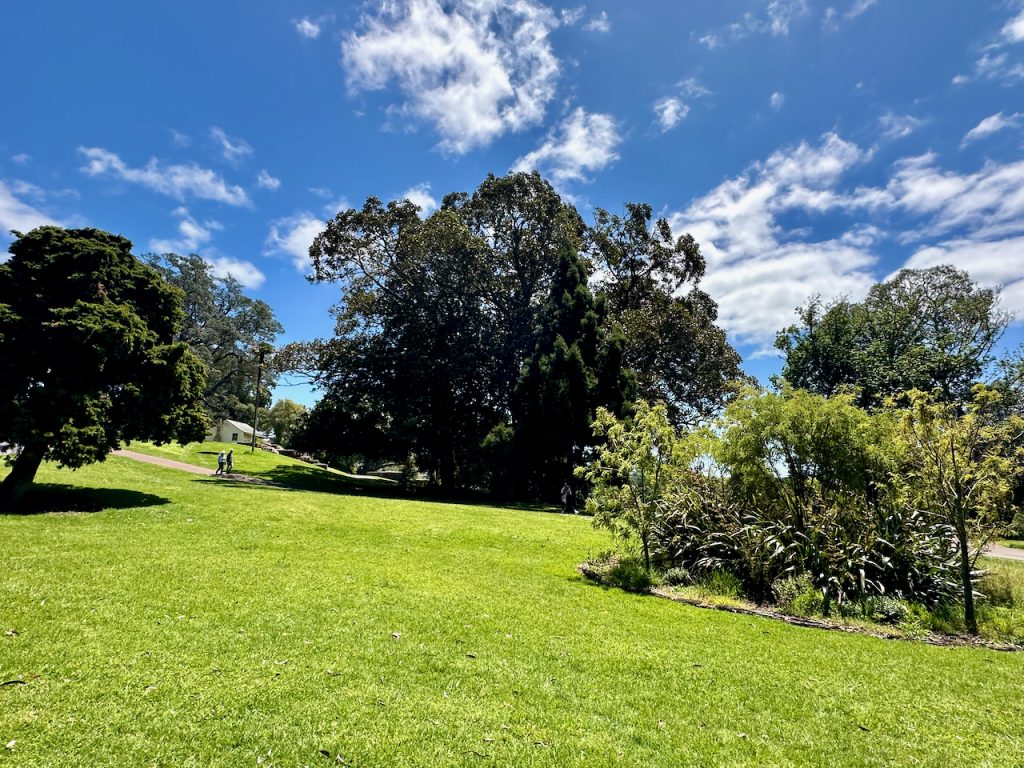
265	465
1013	543
194	623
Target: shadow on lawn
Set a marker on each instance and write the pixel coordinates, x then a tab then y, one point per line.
46	498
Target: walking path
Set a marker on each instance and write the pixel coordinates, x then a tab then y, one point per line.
1007	553
169	463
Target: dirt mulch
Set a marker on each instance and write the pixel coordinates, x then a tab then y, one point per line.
945	641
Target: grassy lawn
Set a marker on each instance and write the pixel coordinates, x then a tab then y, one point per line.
265	465
192	622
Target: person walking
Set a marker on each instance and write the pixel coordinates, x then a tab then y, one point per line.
231	461
220	463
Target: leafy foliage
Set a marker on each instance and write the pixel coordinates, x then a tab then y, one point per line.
224	328
88	336
922	329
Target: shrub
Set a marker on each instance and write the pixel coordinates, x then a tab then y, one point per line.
722	583
997	588
789	589
676	577
628	574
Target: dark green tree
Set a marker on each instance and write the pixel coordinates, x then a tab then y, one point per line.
680	356
927	329
224	327
88	340
576	367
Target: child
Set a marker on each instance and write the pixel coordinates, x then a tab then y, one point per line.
220	463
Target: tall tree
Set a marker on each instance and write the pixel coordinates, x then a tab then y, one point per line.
285	417
225	328
922	329
88	339
575	368
652	280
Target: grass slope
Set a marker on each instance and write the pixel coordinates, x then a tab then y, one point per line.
265	465
197	623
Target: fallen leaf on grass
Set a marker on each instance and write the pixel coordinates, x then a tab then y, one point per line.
396	635
868	730
11	633
149	689
11	743
470	655
12	682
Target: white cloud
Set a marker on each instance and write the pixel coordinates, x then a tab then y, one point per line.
571	16
265	181
776	20
191	234
178	181
420	195
994	264
476	69
307	28
991	124
234	150
292	236
898	126
245	272
758	271
583	142
599	23
777	100
194	236
1013	30
17	214
670	111
22	158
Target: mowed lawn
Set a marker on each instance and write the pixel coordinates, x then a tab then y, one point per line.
202	623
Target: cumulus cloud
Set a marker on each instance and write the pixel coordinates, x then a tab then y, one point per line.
245	272
583	142
292	236
777	100
757	271
265	181
669	111
474	69
993	263
307	28
192	235
420	195
991	124
599	23
178	181
234	150
18	215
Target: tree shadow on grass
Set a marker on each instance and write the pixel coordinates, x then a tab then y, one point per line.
48	498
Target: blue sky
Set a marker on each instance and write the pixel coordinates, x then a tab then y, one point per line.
810	147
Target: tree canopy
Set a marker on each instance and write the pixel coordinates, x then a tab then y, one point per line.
471	340
927	329
88	336
224	328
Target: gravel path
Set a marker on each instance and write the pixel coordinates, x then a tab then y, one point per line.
1007	553
169	463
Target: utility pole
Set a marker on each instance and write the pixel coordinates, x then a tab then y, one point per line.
262	350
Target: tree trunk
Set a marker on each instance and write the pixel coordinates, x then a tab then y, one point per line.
965	575
20	479
647	552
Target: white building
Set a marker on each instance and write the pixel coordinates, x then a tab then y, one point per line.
230	431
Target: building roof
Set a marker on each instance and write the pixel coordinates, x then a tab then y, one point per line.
241	426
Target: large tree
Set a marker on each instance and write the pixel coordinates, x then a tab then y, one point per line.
652	280
88	343
928	329
225	329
